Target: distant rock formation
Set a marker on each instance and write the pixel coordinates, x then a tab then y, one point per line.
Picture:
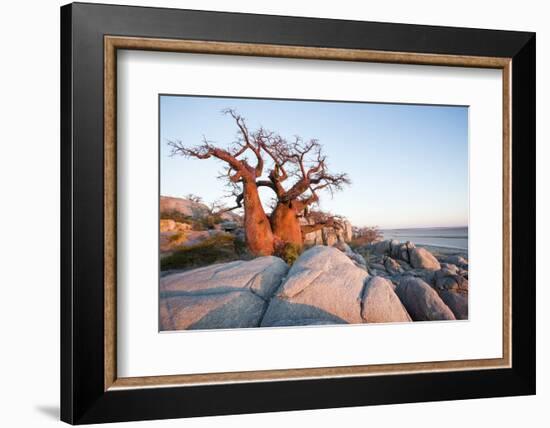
329	235
191	208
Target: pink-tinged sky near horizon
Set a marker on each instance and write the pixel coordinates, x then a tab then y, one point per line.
408	163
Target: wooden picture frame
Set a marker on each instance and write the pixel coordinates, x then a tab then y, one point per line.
91	390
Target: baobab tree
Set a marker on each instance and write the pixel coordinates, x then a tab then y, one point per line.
295	170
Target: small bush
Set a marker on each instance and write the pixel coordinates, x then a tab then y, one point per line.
366	235
176	237
216	249
289	252
209	221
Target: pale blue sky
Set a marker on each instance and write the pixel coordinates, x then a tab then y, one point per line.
408	163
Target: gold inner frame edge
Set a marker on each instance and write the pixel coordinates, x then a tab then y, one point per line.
113	43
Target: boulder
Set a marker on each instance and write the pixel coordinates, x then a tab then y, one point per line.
330	237
423	259
404	265
405	251
401	250
225	295
322	284
457	260
374	258
381	248
358	259
422	301
285	312
381	304
446	279
450	267
457	302
313	238
261	276
392	267
228	226
348	231
342	246
377	266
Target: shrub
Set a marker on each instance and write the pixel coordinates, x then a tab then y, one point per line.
366	235
209	221
176	237
216	249
289	252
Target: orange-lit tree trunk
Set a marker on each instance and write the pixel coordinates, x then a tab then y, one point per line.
286	225
257	229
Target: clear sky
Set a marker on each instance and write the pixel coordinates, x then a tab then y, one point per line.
408	163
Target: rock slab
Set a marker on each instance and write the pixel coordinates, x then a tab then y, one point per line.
226	295
381	304
261	276
322	285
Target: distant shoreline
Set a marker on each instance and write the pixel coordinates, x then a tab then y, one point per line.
444	251
442	239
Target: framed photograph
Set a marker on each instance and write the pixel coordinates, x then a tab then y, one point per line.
265	213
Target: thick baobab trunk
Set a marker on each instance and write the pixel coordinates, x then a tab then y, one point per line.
286	225
257	229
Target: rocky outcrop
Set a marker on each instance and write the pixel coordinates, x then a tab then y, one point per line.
422	301
313	238
187	207
453	289
381	304
183	206
226	295
322	285
325	285
328	235
347	231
